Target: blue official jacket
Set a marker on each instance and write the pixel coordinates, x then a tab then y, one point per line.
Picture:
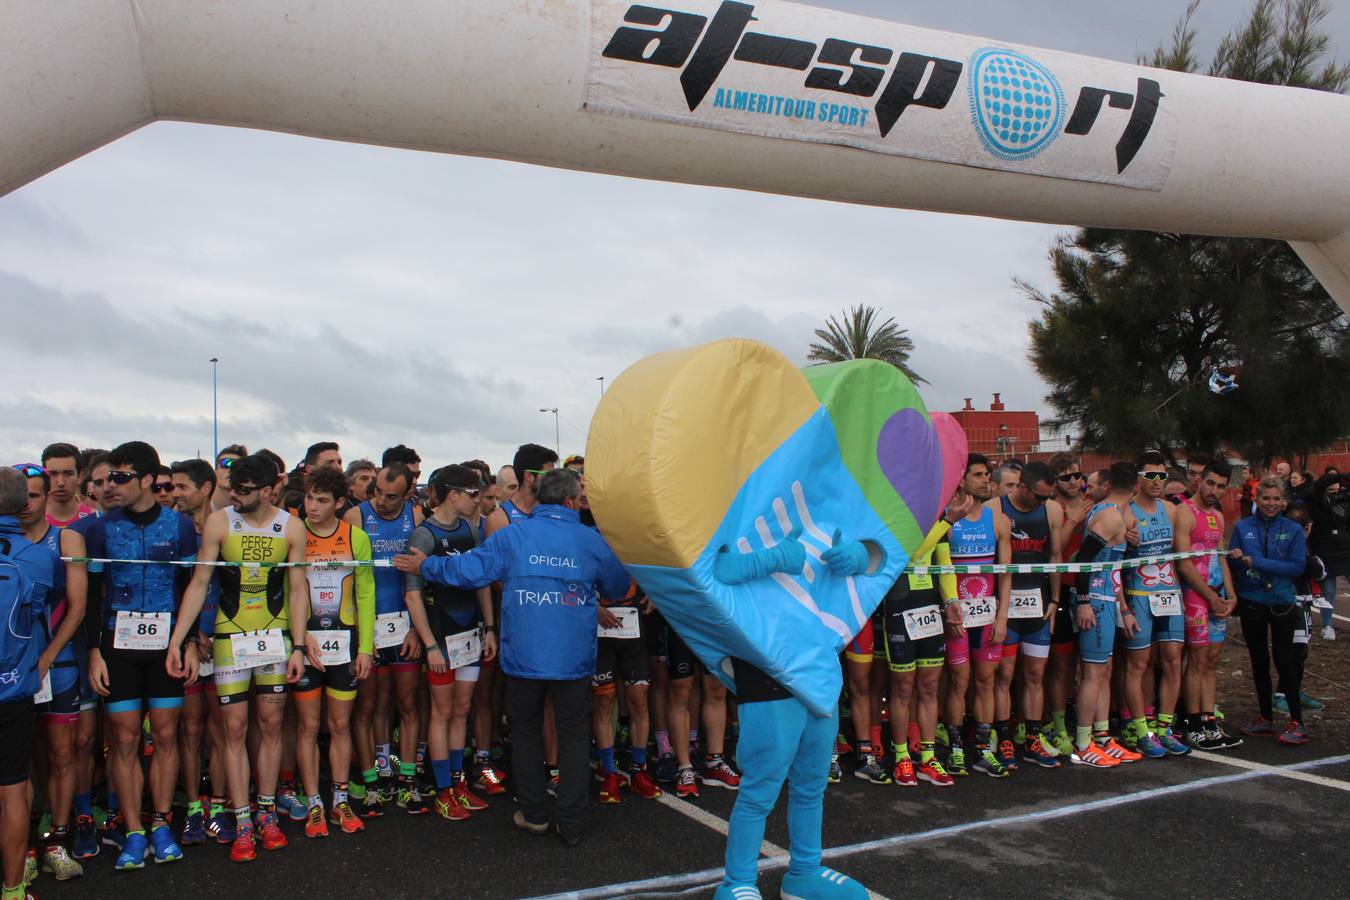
1279	554
21	637
553	570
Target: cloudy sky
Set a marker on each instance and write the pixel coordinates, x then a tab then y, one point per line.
377	296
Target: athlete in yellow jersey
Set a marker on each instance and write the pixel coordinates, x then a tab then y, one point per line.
251	644
341	633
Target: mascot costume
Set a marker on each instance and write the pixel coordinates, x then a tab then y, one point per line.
767	510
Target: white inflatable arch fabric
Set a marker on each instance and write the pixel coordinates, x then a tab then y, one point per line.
765	95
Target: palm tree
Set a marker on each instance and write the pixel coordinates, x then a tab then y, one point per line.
859	337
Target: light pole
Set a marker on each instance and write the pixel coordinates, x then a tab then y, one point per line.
215	420
601	379
557	439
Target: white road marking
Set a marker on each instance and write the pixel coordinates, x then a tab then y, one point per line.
1281	771
688	882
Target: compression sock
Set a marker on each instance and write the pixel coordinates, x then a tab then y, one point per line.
1033	729
638	755
663	745
421	756
925	752
407	772
982	730
382	759
286	778
1140	727
194	807
1004	729
315	800
1164	722
444	773
339	792
370	776
1101	732
217	806
267	803
243	818
113	804
1057	719
456	760
901	751
607	760
84	804
1082	737
874	736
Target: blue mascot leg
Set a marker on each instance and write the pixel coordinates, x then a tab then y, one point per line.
806	879
771	732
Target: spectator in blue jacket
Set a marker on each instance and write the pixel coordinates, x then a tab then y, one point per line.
1271	551
27	573
553	571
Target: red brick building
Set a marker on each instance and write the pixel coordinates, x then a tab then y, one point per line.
997	432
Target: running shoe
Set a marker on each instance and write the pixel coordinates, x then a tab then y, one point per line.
525	824
956	763
552	785
686	785
1038	752
1309	702
841	746
1112	748
1171	744
666	769
1222	739
490	780
56	861
989	764
114	831
1328	633
1150	747
346	818
447	806
194	830
243	849
640	783
84	843
1061	741
822	883
716	773
222	827
737	892
410	798
1294	733
30	866
1094	757
166	849
1259	725
357	790
609	789
134	853
903	772
933	773
288	804
1218	713
316	823
1007	754
270	831
870	770
1199	738
467	798
372	805
1280	704
836	774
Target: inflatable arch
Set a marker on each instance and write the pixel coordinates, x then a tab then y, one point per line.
763	95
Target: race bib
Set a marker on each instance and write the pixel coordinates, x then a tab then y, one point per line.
1320	601
630	626
1025	604
44	694
924	622
206	668
1165	603
464	649
335	646
977	611
258	648
141	631
391	629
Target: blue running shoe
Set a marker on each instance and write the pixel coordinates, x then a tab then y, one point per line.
667	769
823	884
84	840
134	851
194	830
1150	747
1310	702
1171	744
166	848
1281	704
288	804
737	892
222	827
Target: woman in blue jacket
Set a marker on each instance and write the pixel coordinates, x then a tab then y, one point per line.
1271	552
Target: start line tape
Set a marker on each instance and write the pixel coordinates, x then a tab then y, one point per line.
988	569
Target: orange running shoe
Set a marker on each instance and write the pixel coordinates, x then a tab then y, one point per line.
1114	750
609	788
447	806
316	825
243	850
903	774
270	831
1094	757
467	798
343	815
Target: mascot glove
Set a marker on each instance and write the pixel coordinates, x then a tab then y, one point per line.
737	568
846	558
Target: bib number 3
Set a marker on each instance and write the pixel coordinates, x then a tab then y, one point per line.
390	629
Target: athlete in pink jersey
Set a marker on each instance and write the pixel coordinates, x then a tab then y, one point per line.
1208	599
65	467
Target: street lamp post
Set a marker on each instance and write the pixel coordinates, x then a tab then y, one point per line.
557	438
215	416
601	379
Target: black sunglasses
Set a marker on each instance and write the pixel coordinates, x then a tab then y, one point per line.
1068	476
163	487
243	490
122	477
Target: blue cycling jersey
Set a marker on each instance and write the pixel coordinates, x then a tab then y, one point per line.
138	587
388	538
57	604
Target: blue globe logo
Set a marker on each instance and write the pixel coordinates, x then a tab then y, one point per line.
1016	103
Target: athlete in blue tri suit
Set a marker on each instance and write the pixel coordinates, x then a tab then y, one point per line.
133	625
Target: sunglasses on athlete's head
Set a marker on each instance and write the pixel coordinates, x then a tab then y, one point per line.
225	462
1068	476
30	470
1153	476
472	492
122	477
